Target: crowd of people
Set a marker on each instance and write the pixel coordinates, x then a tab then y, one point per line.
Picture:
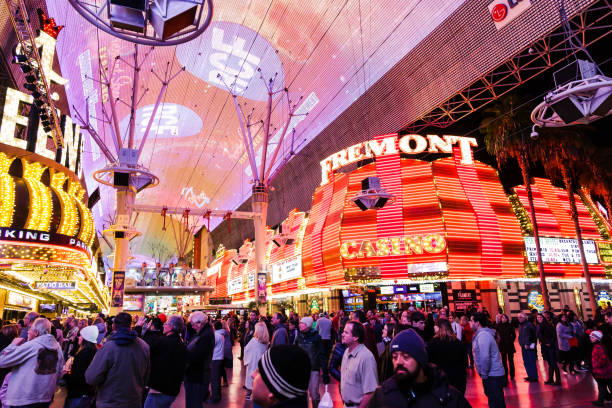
412	358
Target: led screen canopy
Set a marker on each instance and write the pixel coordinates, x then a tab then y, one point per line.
328	53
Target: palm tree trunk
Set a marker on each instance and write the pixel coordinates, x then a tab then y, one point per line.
527	180
569	187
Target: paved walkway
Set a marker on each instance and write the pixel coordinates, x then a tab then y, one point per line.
577	391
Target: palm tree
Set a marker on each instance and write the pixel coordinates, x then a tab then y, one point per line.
564	153
504	130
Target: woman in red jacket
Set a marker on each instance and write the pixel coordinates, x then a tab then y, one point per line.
602	367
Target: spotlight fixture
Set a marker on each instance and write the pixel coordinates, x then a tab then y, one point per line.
25	68
30	87
20	59
149	22
372	196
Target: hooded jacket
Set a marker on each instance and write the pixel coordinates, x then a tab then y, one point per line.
199	354
168	361
486	354
36	368
120	370
310	342
436	392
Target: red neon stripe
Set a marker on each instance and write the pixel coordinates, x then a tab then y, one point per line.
463	237
389	219
490	235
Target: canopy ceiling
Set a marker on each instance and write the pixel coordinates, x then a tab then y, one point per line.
328	52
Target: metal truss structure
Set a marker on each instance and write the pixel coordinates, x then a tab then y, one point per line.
26	40
588	26
155	23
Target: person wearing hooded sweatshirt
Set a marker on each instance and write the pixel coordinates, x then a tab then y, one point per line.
36	366
488	360
120	369
415	382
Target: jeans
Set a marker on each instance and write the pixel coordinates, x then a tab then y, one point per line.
194	394
313	387
549	354
508	362
604	386
468	349
206	381
494	390
530	360
327	346
85	401
215	379
158	400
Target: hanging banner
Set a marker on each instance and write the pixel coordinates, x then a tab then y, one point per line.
261	287
118	289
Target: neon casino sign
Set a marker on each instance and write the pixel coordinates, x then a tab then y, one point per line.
393	144
70	155
408	245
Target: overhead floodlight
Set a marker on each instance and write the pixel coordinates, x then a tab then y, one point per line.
581	97
127	18
20	59
148	22
372	196
169	18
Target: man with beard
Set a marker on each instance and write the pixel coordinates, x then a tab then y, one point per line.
359	375
415	382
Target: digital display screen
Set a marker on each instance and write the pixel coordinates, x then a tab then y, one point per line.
314	49
46	307
561	250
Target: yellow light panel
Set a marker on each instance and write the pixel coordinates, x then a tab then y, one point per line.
39	217
87	232
69	217
7	192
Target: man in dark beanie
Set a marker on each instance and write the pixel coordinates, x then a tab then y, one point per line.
415	382
281	378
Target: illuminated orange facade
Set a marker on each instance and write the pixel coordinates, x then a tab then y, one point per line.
449	220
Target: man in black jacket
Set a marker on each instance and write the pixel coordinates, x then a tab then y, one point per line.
527	340
415	382
199	356
168	361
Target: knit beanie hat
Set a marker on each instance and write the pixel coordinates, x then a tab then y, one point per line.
90	334
286	371
307	321
409	342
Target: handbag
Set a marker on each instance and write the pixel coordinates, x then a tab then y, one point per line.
573	342
326	400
